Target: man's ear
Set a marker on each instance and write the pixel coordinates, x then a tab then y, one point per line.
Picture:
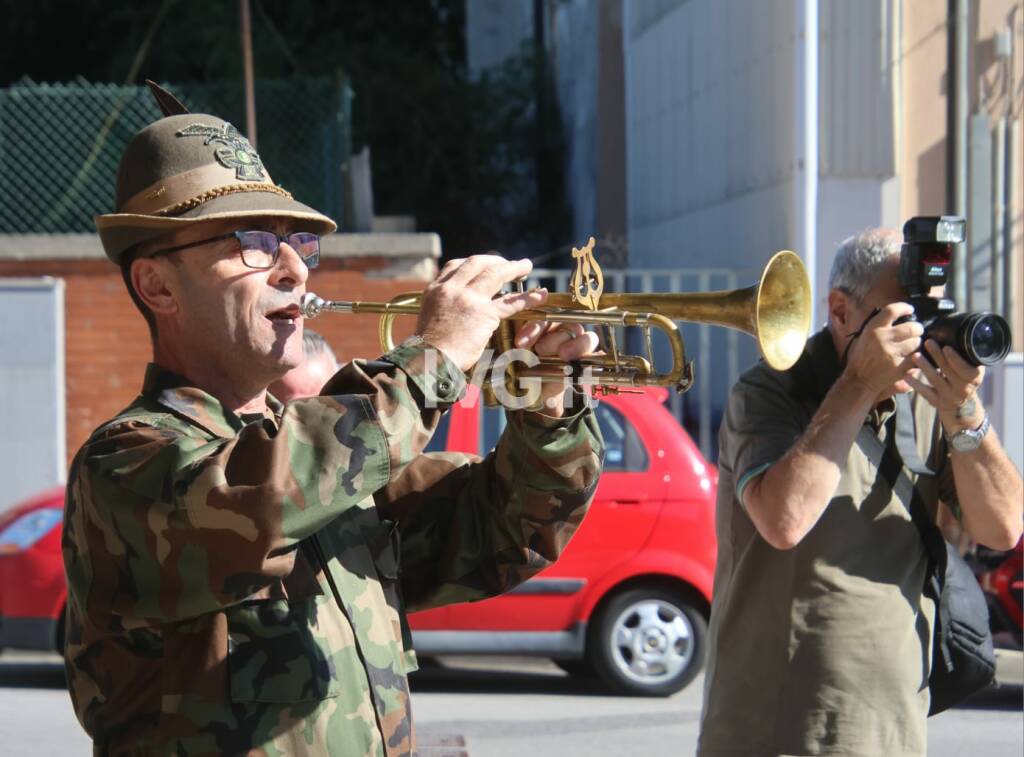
153	281
839	309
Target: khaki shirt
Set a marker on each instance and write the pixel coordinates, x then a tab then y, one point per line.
823	649
241	588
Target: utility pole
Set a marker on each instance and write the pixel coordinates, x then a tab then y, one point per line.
250	90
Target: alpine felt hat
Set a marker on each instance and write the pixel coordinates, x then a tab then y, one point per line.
189	168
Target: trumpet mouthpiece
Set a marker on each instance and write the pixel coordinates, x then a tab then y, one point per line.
311	305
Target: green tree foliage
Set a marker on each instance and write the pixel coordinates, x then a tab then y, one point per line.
478	161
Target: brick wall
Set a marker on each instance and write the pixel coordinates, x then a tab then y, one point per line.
107	342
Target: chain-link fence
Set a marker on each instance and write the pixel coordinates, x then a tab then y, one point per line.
60	143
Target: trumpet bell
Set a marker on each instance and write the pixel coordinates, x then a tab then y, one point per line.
776	311
782	310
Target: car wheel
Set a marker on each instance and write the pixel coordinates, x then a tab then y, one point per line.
648	642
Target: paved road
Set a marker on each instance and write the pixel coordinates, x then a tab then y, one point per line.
504	708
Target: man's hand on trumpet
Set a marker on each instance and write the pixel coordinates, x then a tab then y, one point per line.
460	311
567	342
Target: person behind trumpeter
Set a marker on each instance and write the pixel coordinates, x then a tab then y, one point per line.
239	570
306	379
819	640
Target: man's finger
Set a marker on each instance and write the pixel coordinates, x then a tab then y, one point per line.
908	330
469	268
907	347
934	375
960	368
893	311
510	304
907	365
557	335
492	277
929	394
582	346
449	268
529	333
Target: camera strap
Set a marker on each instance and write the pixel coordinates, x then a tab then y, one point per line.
906	437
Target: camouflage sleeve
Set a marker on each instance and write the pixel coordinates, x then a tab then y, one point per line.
205	524
473	528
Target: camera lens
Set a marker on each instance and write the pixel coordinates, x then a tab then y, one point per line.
979	338
984	338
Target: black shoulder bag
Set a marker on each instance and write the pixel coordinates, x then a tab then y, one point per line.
963	660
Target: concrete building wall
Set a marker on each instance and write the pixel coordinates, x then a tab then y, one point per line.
858	89
923	106
995	91
710	159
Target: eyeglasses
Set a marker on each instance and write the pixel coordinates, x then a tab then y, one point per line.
260	249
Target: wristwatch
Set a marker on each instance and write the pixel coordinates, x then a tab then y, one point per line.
967	440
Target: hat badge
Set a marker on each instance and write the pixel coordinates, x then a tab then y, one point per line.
237	152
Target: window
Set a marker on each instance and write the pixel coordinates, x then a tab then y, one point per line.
623	449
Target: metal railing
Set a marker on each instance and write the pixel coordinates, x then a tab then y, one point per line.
719	354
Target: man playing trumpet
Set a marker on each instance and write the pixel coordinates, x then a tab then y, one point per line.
238	570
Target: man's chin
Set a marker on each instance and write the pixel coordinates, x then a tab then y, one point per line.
285	364
278	362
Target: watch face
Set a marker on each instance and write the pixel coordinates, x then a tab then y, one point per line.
965	441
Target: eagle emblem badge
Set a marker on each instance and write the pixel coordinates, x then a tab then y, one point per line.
236	152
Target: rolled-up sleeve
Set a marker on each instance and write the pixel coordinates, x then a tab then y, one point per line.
760	425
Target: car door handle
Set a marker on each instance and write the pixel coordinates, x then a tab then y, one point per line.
632	502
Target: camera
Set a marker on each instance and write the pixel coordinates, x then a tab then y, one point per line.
925	259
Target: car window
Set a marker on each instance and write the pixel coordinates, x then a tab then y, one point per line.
623	449
439	441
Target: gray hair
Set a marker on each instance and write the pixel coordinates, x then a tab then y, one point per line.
314	344
861	258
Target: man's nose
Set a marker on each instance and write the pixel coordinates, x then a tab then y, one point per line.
290	268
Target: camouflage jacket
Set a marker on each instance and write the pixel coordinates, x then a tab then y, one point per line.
240	587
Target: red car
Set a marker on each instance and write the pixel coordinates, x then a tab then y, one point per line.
32	587
628	600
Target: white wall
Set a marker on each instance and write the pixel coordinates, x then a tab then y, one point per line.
32	408
709	142
846	206
1004	396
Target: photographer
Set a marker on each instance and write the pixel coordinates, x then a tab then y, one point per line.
819	641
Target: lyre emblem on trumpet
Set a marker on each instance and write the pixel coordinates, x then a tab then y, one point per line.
587	282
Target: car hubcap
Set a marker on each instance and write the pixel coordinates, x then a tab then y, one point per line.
652	642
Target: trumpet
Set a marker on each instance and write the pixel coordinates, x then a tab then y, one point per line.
776	311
